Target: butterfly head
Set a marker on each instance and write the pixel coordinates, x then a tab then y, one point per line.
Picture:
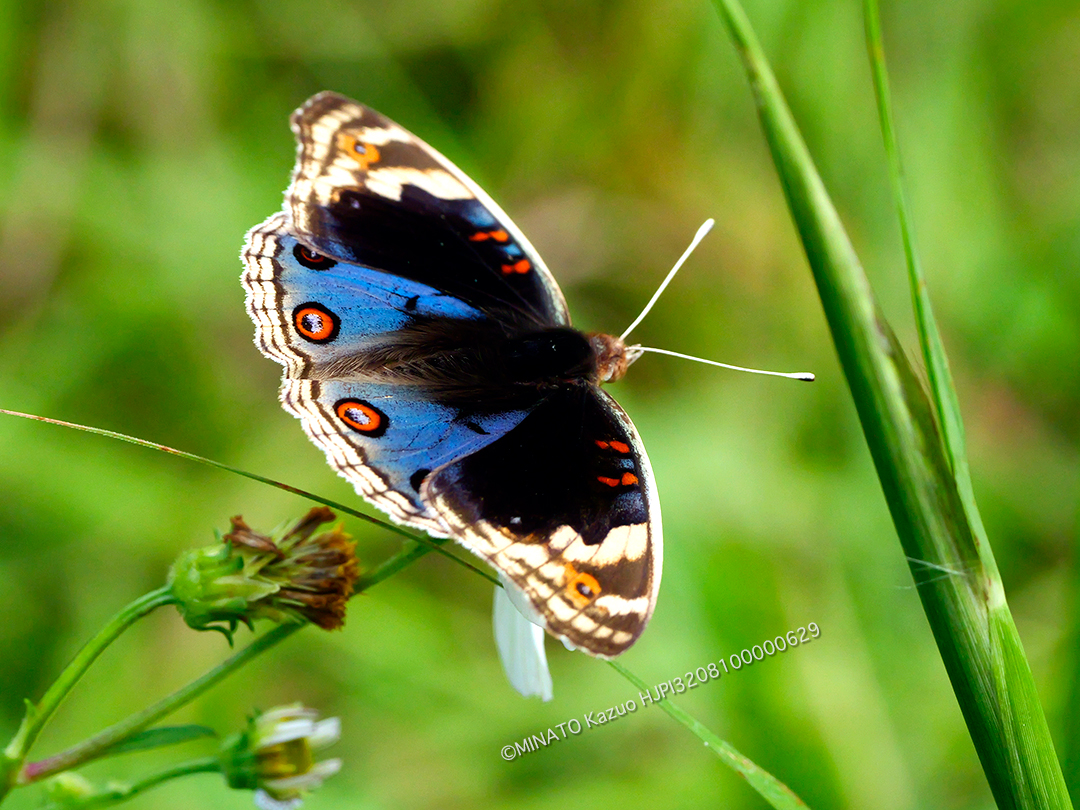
613	356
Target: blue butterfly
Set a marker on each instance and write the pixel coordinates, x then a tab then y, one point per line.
428	351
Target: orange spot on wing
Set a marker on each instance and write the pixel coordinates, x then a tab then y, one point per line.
521	266
611	482
602	445
581	588
620	447
482	236
628	479
363	153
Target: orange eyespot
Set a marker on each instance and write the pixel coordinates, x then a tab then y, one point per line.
363	153
521	266
580	588
316	323
628	479
602	445
362	416
611	482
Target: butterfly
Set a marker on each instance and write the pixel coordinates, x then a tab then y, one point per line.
428	351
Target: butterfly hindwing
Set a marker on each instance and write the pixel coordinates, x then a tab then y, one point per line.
565	506
387	439
366	190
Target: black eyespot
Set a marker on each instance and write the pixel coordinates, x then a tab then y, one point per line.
417	478
584	590
311	259
475	428
410	305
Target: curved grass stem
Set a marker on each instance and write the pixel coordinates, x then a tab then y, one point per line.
768	786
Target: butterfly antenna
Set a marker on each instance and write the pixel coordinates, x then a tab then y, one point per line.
805	376
704	229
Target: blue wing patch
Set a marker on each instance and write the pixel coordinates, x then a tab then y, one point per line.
403	435
368	303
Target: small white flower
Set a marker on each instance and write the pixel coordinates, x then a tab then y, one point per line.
519	636
274	756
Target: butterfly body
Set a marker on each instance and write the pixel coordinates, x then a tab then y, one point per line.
428	351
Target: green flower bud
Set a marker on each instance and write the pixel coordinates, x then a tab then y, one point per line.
68	789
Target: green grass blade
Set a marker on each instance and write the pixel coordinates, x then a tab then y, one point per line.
311	496
949	557
768	786
933	350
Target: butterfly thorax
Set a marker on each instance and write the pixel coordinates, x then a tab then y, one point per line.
612	356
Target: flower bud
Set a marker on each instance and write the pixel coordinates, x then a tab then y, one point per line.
67	789
274	755
292	575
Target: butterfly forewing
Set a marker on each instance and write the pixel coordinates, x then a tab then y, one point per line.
366	190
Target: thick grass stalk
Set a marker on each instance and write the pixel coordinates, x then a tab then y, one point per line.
928	498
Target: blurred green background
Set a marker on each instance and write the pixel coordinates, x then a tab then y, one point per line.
139	141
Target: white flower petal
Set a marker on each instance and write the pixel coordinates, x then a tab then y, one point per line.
327	768
264	801
286	731
287	712
521	645
326	732
520	601
309	780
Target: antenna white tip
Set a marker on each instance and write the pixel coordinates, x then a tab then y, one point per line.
803	376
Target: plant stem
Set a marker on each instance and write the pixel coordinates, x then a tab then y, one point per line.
390	566
38	715
348	510
95	746
938	374
128	791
